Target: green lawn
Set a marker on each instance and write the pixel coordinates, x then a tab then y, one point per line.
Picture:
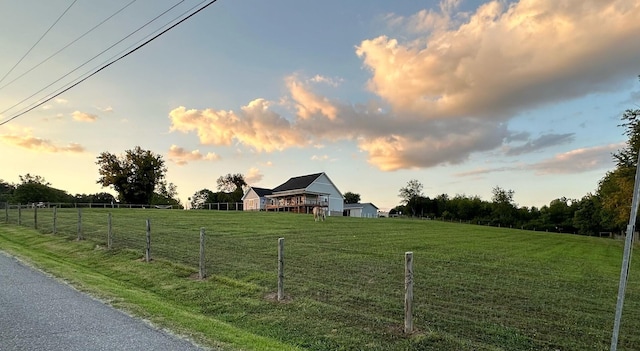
476	287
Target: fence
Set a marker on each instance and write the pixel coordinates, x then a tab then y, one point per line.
160	237
342	275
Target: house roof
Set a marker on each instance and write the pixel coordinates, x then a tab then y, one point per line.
262	191
359	205
296	183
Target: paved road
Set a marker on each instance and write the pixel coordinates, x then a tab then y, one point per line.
39	313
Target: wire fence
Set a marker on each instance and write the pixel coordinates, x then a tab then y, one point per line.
360	279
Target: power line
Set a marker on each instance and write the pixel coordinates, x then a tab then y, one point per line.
108	64
36	43
93	58
66	46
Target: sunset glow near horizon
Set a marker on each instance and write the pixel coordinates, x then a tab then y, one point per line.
460	95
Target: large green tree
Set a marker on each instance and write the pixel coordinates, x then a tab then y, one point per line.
135	175
233	185
6	191
351	198
411	195
615	190
33	189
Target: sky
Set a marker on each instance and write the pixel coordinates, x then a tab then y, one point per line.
460	95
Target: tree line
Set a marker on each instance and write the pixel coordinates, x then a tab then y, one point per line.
605	210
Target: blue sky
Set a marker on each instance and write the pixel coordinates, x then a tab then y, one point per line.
460	95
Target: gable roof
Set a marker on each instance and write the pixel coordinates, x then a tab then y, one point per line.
296	183
262	191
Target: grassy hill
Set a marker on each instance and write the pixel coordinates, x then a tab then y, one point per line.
476	287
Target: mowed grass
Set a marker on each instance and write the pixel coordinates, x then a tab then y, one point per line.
476	287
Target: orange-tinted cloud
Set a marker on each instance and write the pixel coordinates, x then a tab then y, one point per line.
84	117
255	126
26	140
253	176
181	156
504	57
449	87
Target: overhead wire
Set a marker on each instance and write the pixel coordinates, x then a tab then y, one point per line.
93	58
211	2
66	46
38	41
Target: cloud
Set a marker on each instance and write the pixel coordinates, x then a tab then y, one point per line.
26	140
578	160
541	142
105	109
571	162
253	176
84	117
504	58
61	101
450	88
255	126
319	158
308	103
181	156
334	82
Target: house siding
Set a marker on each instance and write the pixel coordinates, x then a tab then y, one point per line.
253	202
324	185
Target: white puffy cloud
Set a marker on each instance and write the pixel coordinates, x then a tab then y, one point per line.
181	156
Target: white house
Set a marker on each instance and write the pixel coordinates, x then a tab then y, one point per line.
298	194
367	210
255	199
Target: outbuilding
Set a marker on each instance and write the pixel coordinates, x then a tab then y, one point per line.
366	210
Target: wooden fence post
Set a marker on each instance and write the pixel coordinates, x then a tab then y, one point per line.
202	273
408	292
35	218
109	233
55	219
6	212
80	237
19	214
280	269
148	249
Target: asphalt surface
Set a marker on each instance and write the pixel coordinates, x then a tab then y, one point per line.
38	312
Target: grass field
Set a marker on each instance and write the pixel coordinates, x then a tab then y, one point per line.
476	288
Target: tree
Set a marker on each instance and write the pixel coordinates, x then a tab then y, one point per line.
231	182
134	175
33	192
351	198
200	198
166	194
504	210
410	195
28	178
6	191
587	216
232	185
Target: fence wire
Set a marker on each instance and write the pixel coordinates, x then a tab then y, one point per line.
358	276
